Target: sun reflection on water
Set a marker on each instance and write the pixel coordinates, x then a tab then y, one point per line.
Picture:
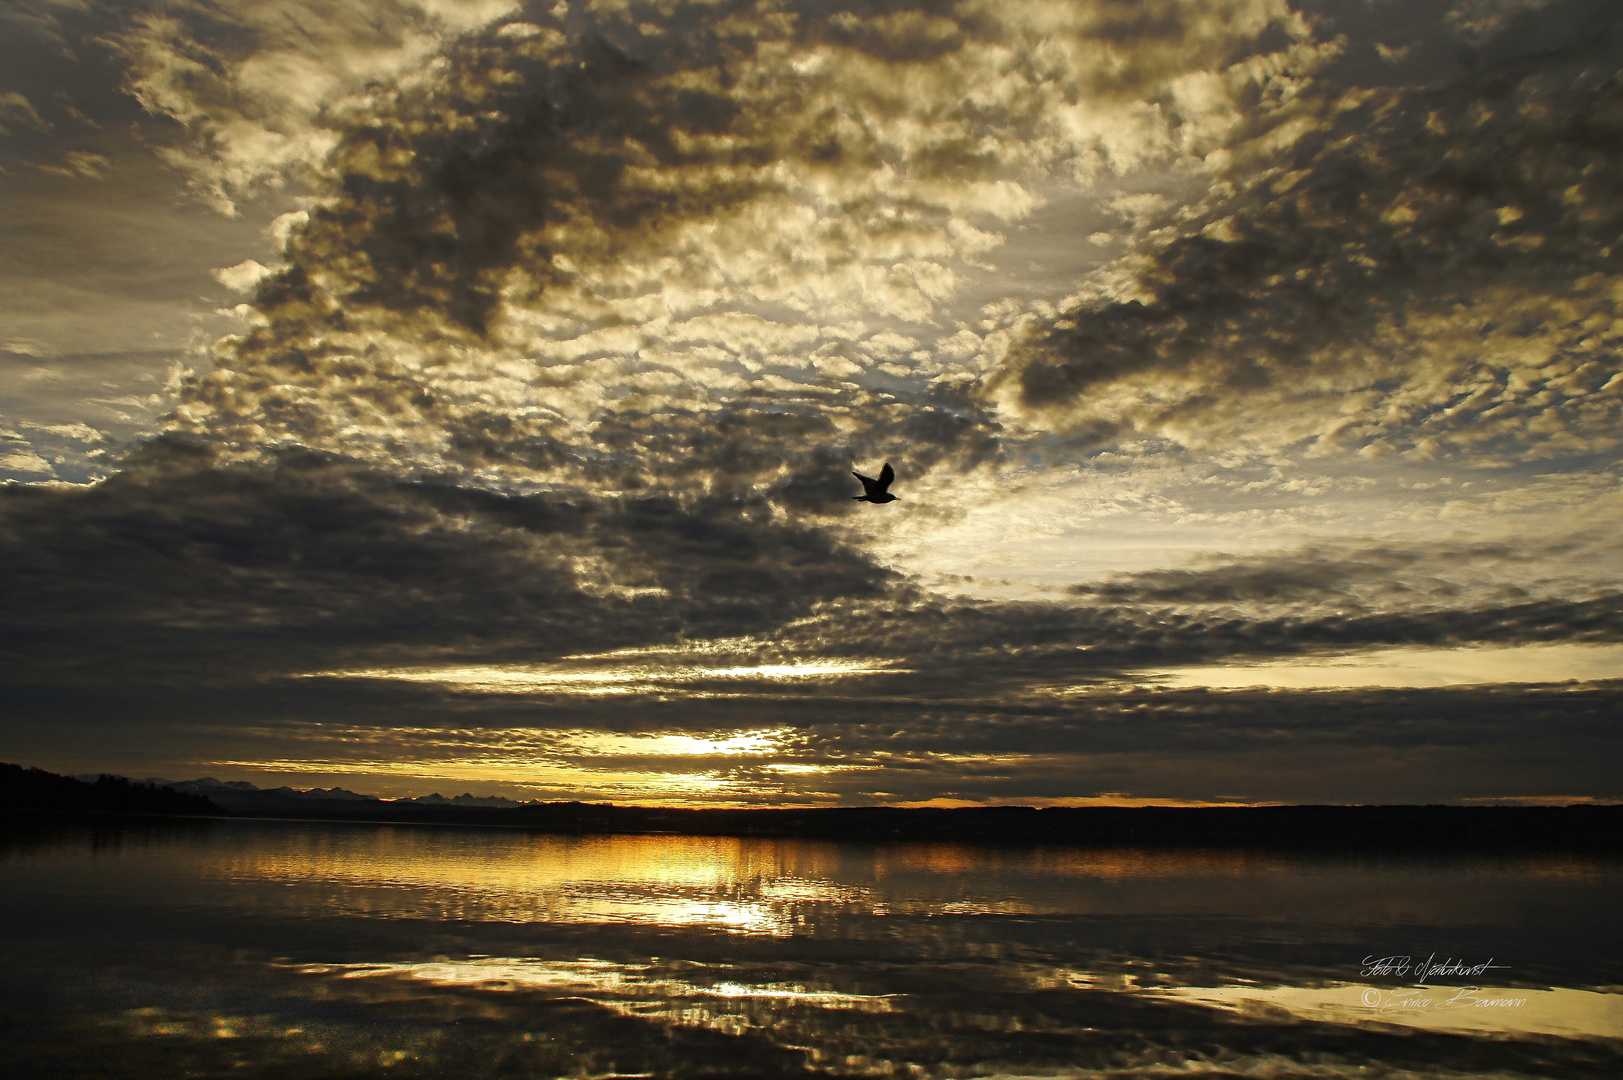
722	882
599	976
705	998
858	959
778	887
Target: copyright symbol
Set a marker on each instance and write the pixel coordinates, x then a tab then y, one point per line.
1372	998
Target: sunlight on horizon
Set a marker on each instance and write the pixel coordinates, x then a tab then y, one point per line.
764	741
557	679
1407	667
546	782
560	764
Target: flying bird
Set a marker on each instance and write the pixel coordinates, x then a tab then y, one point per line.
875	491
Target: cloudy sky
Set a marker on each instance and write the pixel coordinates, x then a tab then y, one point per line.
423	395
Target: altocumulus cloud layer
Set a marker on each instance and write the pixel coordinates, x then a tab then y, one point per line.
1428	267
511	447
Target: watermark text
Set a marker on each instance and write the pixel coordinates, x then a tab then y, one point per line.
1406	966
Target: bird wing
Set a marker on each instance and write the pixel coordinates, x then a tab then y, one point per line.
886	475
869	484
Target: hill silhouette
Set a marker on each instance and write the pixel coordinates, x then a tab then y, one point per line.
1335	828
36	789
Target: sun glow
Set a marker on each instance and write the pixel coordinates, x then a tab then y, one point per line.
543	781
762	741
561	678
654	767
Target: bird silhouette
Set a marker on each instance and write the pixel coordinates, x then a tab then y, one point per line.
874	491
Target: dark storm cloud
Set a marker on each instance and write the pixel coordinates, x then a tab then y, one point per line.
181	568
1304	578
1442	249
1041	646
965	721
177	563
1357	578
1028	657
1324	746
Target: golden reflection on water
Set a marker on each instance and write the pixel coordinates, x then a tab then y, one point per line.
1556	1011
878	952
772	886
722	882
1099	863
600	977
707	998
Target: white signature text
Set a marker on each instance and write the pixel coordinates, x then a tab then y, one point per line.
1430	967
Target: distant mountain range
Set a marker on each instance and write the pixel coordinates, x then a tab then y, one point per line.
243	797
36	789
1333	829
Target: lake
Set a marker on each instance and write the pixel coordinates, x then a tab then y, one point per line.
153	948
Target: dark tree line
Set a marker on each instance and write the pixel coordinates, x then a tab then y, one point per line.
36	789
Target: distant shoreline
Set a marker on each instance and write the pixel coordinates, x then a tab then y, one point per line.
1368	827
1306	827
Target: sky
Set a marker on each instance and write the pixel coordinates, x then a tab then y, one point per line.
415	395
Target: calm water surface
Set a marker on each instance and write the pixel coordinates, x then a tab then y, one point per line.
273	949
